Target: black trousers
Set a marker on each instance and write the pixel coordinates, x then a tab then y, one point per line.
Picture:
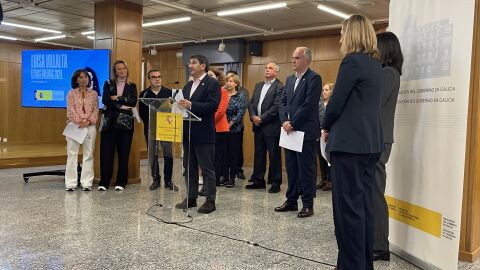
111	140
302	174
264	144
324	169
380	235
221	155
235	150
200	155
353	208
240	165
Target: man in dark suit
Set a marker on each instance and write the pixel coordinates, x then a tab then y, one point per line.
263	111
298	105
202	96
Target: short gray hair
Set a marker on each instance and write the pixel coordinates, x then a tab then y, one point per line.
307	53
277	67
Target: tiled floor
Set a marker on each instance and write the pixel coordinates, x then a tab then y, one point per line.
44	227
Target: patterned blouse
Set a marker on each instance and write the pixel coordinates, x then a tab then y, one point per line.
82	107
235	110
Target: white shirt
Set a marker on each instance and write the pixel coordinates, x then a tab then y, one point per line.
297	81
265	88
196	83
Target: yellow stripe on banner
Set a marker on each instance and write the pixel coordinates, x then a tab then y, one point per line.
416	216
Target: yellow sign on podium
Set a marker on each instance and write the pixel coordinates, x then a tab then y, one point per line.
169	126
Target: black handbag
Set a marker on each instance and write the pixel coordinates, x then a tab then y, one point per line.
124	120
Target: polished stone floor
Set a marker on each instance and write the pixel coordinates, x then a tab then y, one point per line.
44	227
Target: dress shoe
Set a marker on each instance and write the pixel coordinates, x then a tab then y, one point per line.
327	187
230	183
154	185
222	181
171	186
256	186
305	212
286	207
186	203
201	192
381	255
274	189
240	175
207	207
321	184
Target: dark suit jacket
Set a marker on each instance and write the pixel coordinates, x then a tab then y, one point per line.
353	112
389	102
205	102
270	121
301	106
128	98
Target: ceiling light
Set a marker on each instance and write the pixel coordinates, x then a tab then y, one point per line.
177	20
221	47
90	37
9	38
88	33
50	38
30	27
251	9
333	11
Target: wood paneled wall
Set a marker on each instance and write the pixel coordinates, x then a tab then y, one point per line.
18	124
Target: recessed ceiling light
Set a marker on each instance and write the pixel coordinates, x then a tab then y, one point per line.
9	38
163	22
90	37
50	38
88	33
251	9
333	11
30	27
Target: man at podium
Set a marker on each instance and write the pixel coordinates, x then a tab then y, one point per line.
156	90
202	96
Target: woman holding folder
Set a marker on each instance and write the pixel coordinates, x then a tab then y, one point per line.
82	111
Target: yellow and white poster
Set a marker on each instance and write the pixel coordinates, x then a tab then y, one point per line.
425	172
169	127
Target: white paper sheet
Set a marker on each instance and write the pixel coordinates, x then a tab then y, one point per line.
74	132
292	141
323	144
178	95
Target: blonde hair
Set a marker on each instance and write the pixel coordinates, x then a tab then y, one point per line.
359	36
330	85
235	78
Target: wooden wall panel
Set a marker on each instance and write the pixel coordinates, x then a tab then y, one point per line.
130	27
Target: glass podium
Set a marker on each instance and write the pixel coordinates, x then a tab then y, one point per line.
165	132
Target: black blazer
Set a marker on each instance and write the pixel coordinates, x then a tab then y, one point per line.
205	102
389	102
128	97
353	112
301	106
270	121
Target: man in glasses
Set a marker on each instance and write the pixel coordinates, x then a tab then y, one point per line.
156	90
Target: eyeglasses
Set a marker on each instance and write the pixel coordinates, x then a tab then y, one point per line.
155	77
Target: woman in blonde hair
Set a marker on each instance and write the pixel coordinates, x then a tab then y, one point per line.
354	140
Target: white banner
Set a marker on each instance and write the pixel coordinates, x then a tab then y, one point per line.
426	168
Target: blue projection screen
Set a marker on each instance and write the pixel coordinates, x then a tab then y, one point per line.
46	74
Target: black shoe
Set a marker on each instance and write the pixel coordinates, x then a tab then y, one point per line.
201	192
305	212
274	189
187	203
230	183
256	186
381	255
222	181
286	207
171	186
207	207
154	185
321	184
240	175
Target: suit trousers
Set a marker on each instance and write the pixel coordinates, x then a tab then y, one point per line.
200	155
353	208
380	235
302	174
221	155
264	144
109	141
88	145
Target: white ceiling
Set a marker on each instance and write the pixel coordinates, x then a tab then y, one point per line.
72	17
